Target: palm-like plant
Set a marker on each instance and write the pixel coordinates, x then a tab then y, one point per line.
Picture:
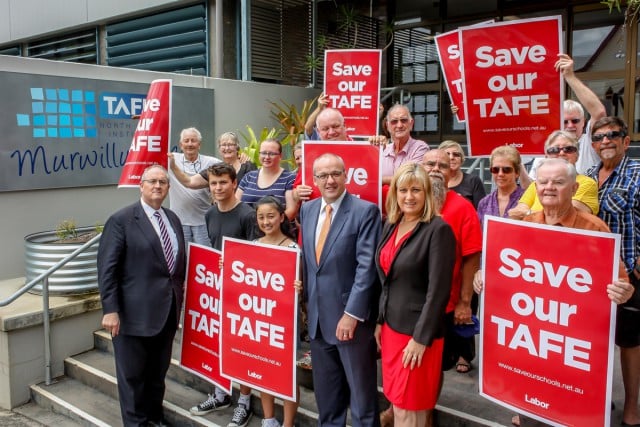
630	14
253	141
292	123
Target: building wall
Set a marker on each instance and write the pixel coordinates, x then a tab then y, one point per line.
236	104
21	19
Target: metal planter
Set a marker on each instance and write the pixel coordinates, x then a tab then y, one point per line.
78	276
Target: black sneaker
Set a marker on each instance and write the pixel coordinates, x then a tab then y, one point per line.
210	405
241	416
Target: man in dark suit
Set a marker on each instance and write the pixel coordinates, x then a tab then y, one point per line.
341	291
141	272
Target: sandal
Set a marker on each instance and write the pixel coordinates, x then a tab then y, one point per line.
463	367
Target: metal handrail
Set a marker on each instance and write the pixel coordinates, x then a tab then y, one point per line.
478	163
405	95
44	277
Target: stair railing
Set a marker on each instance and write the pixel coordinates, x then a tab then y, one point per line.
44	278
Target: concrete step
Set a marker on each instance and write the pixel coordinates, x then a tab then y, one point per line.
95	365
25	416
87	395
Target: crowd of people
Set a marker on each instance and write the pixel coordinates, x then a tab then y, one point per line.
401	290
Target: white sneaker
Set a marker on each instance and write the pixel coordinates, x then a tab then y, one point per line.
270	422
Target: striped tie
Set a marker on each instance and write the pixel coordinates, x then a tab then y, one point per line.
167	247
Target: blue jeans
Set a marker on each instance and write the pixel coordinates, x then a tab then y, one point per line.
196	234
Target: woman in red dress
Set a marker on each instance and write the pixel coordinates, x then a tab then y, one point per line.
415	261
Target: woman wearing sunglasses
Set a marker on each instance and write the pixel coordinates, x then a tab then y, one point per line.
505	168
561	144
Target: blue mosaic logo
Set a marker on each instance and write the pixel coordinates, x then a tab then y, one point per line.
61	113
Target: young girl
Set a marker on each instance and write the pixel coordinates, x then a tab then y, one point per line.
273	223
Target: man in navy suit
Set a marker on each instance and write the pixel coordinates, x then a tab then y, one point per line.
341	291
141	272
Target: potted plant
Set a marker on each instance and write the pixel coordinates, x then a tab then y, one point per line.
45	249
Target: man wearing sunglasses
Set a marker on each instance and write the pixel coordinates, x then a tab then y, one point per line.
574	120
618	179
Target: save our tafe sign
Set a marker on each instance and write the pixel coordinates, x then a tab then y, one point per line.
352	84
150	143
362	166
259	316
546	342
513	92
202	308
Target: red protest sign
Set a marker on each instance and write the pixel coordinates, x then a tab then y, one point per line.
448	47
362	166
547	325
513	92
201	330
449	53
150	143
259	306
352	83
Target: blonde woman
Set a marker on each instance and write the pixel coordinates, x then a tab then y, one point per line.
415	260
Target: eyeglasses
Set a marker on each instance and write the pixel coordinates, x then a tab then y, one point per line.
403	120
567	150
228	145
269	154
162	182
325	176
433	165
612	134
505	169
574	121
453	153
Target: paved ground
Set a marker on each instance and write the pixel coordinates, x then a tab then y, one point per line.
12	419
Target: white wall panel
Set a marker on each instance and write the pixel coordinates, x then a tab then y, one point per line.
100	10
33	17
20	19
5	21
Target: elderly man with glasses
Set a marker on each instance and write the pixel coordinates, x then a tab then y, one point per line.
555	188
618	179
402	147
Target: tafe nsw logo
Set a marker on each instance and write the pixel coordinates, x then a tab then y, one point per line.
121	105
72	113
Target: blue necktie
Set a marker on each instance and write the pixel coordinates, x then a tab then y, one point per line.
167	247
